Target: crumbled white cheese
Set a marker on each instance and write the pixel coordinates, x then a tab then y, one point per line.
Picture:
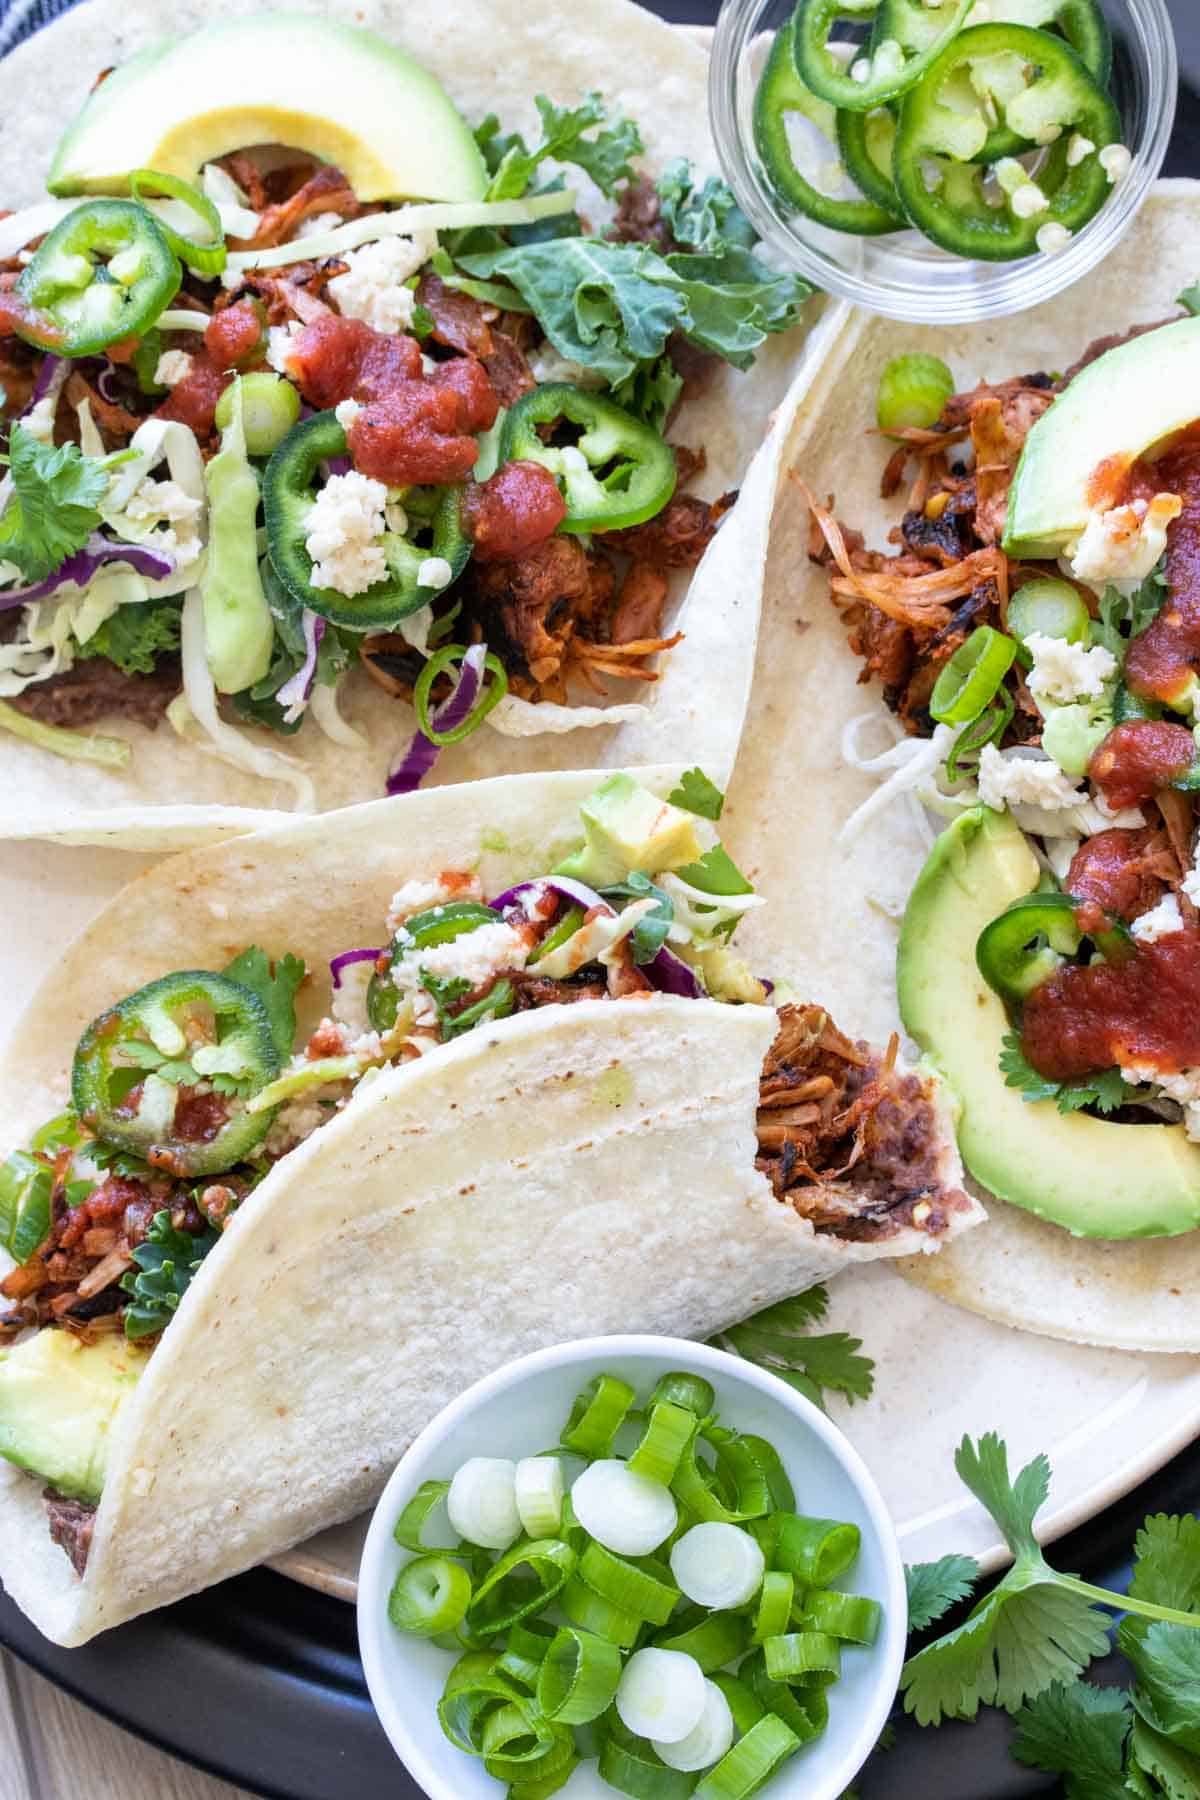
475	957
418	896
346	411
1065	672
1006	777
1116	161
344	526
318	222
1191	886
164	502
372	289
1126	543
1183	1087
172	367
349	1001
1078	150
297	1120
1028	200
1161	921
279	344
435	572
394	514
39	420
1052	237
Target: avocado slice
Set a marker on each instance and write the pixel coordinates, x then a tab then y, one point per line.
60	1399
335	91
1113	412
629	828
1093	1176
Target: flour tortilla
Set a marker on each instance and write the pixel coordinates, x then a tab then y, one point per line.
793	789
578	1169
491	58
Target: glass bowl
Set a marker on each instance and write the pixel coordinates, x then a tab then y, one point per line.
903	275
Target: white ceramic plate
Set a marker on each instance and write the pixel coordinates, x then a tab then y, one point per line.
1107	1419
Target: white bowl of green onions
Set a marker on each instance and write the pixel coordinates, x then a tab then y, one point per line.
632	1565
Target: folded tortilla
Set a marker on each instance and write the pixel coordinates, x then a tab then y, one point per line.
793	789
573	1170
176	793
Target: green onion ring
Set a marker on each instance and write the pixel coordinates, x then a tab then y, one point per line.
542	1787
643	1588
815	1551
597	1415
499	1603
699	1488
630	1765
440	663
805	1711
524	1651
744	1704
409	1526
206	259
578	1678
667	1435
751	1762
690	1391
988	728
852	1617
587	1609
972	676
774	1609
803	1656
717	1639
783	1496
513	1736
472	1689
429	1595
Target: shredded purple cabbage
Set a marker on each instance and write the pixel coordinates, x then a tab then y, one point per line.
671	975
78	570
46	377
577	892
350	956
336	465
293	695
422	752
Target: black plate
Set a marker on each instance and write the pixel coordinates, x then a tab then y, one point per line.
259	1681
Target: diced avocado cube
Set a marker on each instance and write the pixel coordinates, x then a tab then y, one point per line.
60	1399
630	828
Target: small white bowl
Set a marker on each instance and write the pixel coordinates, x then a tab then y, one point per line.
520	1410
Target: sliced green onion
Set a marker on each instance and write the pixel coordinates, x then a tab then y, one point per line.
667	1435
913	391
525	1651
988	728
718	1566
644	1589
429	1595
542	1787
816	1551
409	1527
972	676
590	1610
578	1677
270	407
699	1487
206	259
852	1617
539	1494
514	1735
566	928
774	1610
712	1642
662	1695
1053	608
707	1742
597	1415
521	1584
490	694
625	1512
75	746
751	1762
801	1655
765	1455
472	1689
689	1391
744	1704
572	1531
805	1711
633	1767
482	1502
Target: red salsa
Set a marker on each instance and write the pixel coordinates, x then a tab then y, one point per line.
1139	757
1105	1015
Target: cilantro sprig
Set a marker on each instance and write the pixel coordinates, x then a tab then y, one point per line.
1038	1629
697	794
54	505
779	1339
1106	1090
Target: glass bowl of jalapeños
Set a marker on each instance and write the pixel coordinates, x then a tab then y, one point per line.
546	1647
943	161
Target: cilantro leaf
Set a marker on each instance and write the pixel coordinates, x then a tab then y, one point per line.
707	218
716	873
650	933
1160	1767
1167	1565
1078	1732
54	504
697	794
134	637
276	985
934	1587
1123	617
606	156
776	1339
166	1262
1106	1091
1167	1660
1190	299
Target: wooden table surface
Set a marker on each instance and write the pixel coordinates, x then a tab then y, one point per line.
52	1748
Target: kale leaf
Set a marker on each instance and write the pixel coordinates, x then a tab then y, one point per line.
650	392
582	135
707	219
166	1261
54	504
135	636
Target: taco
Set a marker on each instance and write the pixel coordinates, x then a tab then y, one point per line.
1010	568
477	361
335	1169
